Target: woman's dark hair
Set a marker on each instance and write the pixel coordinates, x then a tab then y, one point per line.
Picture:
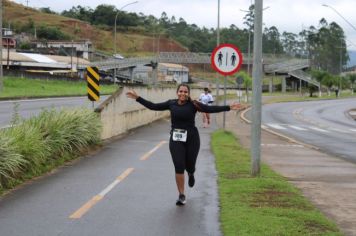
195	103
183	85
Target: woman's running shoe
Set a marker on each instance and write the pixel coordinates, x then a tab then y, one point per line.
181	200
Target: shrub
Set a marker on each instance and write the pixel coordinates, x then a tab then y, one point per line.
31	147
11	162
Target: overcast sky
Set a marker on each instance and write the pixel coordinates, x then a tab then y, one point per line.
286	15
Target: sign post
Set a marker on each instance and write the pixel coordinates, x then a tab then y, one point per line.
239	81
93	83
226	59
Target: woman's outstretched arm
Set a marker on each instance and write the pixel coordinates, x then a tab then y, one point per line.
148	104
215	109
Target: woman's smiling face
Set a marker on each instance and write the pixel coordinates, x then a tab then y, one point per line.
183	93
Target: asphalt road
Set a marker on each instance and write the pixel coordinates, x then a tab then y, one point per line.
31	107
114	192
324	124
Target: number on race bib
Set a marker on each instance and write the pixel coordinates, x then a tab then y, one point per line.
179	135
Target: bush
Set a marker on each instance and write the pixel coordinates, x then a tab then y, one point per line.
28	142
11	162
51	33
29	148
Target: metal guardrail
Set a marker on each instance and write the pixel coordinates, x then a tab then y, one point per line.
178	58
123	63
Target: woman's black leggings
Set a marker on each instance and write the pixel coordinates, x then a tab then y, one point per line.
184	154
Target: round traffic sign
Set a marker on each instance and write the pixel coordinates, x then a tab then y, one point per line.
239	80
226	59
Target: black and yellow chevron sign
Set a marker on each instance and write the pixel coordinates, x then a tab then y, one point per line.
93	83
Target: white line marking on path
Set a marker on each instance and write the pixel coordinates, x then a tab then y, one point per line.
319	130
148	154
339	130
297	128
87	206
275	126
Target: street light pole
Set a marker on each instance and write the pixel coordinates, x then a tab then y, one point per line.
352	26
325	5
116	20
217	44
249	44
117	13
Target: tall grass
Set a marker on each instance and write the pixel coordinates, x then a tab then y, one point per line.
11	162
31	147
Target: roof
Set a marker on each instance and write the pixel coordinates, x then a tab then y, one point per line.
173	66
40	60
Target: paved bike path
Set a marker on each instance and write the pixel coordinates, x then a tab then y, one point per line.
113	192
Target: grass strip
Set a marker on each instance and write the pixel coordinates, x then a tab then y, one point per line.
265	205
22	87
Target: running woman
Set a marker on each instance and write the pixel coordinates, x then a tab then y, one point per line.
206	98
184	142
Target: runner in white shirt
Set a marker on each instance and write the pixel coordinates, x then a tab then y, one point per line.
206	98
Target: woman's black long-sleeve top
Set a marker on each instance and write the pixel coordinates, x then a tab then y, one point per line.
182	115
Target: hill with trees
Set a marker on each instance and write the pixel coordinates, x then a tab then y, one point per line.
140	34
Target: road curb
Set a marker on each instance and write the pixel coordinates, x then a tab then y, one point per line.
352	113
243	117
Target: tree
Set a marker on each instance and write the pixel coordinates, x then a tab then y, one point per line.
271	41
247	82
318	75
164	21
80	13
290	43
327	47
352	79
312	88
250	18
47	10
51	33
329	81
104	14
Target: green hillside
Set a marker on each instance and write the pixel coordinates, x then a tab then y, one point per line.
130	43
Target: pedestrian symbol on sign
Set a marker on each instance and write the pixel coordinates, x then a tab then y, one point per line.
233	59
220	56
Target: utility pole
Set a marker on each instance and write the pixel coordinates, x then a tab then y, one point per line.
8	53
71	60
257	90
217	44
1	72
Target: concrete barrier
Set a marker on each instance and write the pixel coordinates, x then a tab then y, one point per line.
120	114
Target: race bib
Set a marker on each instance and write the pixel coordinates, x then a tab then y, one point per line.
179	135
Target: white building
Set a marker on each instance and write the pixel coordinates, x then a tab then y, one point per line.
82	48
